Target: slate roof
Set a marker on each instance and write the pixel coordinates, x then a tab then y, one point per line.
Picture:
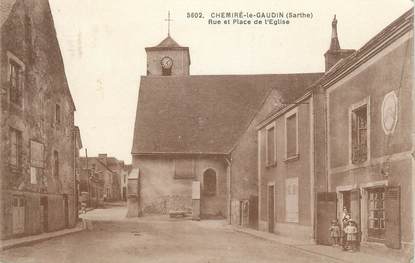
204	114
168	42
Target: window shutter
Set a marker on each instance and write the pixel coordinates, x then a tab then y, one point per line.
392	217
354	137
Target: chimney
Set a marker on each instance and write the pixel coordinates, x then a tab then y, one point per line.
335	53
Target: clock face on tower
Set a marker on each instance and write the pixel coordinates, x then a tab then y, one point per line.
166	62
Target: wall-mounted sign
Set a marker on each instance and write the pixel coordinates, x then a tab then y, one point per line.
195	190
389	112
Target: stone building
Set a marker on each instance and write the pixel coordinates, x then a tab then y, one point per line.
78	168
101	180
91	187
38	139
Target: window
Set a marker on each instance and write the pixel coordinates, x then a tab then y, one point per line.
15	77
16	83
376	212
36	160
15	154
55	163
184	169
271	146
359	135
58	114
209	182
291	133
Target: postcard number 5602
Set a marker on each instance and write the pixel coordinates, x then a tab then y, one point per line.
194	15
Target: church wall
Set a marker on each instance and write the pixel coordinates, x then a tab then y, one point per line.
161	192
180	62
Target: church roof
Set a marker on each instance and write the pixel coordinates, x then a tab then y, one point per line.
204	114
168	42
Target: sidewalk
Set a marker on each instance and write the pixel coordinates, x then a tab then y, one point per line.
24	241
366	253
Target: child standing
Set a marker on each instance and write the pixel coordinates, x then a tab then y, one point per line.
351	235
335	232
345	221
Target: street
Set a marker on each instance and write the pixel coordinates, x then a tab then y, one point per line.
155	239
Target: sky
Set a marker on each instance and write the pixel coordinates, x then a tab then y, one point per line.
103	41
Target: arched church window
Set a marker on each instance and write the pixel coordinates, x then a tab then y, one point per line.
209	182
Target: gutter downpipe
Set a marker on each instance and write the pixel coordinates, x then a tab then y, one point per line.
228	161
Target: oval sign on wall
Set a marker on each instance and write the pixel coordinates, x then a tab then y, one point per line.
389	112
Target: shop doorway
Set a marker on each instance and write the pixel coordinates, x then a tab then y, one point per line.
351	201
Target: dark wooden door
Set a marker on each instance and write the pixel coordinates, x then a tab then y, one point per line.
44	213
66	209
271	205
392	216
253	211
326	211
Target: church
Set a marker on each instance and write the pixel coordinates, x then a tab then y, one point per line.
187	127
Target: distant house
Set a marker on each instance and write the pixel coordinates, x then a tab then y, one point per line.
101	179
124	179
39	142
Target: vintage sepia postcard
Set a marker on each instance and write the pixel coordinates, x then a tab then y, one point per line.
195	131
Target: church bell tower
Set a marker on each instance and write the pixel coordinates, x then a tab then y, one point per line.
168	58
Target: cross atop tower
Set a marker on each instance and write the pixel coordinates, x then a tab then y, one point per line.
168	23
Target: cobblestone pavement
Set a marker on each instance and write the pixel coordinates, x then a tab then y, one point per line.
113	238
